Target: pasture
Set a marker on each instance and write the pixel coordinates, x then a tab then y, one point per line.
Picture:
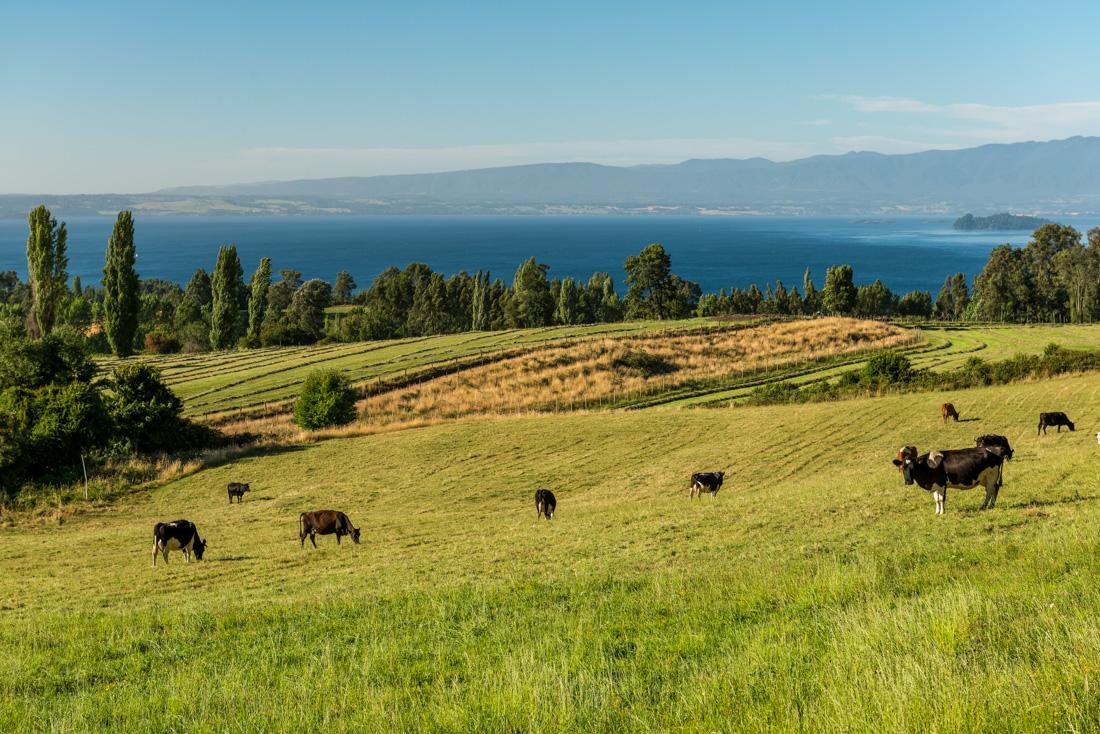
816	592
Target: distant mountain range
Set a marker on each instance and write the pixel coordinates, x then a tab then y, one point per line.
1055	177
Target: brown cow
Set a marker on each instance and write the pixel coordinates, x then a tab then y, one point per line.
947	410
325	522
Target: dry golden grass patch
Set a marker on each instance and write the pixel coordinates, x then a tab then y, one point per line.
603	371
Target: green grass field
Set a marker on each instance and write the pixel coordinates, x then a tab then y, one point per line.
815	593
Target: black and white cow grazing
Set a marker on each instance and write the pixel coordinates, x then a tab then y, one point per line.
181	535
545	504
236	489
325	522
1054	419
991	439
937	471
706	481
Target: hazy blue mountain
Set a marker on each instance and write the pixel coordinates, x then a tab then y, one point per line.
1056	177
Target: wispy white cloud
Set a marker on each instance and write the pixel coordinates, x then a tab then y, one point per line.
818	123
991	123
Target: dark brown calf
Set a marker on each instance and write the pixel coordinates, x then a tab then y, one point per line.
325	522
947	410
236	489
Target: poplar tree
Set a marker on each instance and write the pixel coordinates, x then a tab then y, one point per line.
257	304
46	263
121	299
225	309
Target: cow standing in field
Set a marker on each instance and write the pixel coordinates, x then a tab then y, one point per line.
708	481
181	535
947	410
325	522
1054	419
937	471
236	489
545	504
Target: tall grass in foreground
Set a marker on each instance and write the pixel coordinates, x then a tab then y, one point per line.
815	593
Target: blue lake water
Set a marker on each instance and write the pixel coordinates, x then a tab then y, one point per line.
719	252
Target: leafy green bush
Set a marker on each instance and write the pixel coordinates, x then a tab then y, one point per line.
886	368
327	399
146	413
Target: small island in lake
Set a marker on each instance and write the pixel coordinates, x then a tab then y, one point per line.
1004	220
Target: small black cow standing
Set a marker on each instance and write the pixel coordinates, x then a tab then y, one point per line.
325	522
181	535
236	489
1054	419
545	504
709	481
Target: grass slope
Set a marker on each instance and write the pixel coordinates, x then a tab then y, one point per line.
221	381
815	593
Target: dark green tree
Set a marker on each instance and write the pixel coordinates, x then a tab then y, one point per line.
307	309
225	307
198	289
874	299
916	303
531	303
46	264
257	304
1003	291
282	291
121	298
649	277
1048	301
343	288
811	299
839	295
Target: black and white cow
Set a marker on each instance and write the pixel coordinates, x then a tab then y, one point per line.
545	504
937	471
325	522
706	481
181	535
1054	419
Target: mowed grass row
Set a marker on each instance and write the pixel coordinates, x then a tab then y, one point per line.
816	592
223	381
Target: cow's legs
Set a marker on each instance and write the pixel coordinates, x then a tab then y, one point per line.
313	538
940	496
155	551
164	552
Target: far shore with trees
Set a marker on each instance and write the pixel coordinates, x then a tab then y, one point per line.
1054	278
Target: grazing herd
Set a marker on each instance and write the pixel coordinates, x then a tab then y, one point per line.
981	466
934	472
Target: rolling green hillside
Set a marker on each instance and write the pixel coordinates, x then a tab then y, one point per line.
816	592
224	381
220	381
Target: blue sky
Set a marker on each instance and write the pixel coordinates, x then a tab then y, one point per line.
128	97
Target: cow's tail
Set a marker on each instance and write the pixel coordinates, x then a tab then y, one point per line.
301	525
